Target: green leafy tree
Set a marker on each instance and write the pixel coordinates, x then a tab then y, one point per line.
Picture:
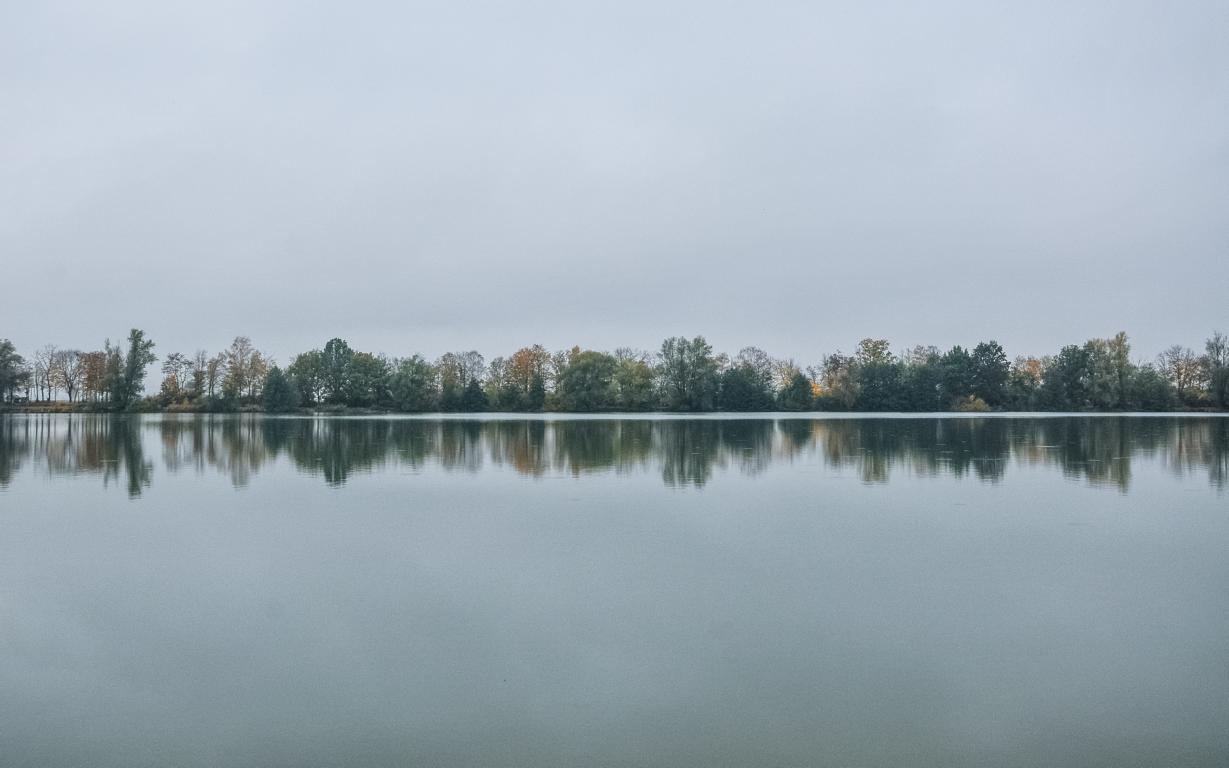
450	397
838	383
1024	381
922	380
879	376
535	398
632	384
126	372
412	386
797	394
455	371
496	379
367	380
279	391
766	369
507	397
958	375
13	375
113	374
1066	380
1108	371
688	374
335	370
1121	367
742	388
308	370
1216	369
1148	389
473	399
989	373
587	382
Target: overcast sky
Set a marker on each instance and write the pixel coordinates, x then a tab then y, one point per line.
431	176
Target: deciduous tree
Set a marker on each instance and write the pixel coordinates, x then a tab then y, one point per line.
587	383
13	374
796	396
1216	369
68	372
413	386
687	373
278	392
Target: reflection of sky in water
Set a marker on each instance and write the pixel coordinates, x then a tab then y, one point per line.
955	592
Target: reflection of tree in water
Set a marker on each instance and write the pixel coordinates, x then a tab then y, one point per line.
137	470
1198	446
686	452
1217	454
237	447
924	447
182	441
977	446
416	442
14	447
595	446
585	446
461	445
1094	449
748	443
70	444
797	436
110	446
879	446
336	449
518	443
982	447
633	446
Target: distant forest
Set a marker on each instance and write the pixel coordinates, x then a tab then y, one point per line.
684	375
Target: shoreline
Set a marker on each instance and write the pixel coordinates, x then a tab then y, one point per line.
355	413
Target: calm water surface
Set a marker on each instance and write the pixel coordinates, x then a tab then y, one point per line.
245	591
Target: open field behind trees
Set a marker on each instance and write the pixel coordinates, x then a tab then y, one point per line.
684	375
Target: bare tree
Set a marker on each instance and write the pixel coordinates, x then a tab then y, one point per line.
784	373
630	355
458	368
43	370
473	365
172	371
1182	367
215	371
68	369
767	369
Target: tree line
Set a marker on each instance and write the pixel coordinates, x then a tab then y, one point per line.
683	375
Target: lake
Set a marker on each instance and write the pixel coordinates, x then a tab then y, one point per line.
630	591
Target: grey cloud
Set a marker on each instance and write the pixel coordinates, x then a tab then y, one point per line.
427	176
